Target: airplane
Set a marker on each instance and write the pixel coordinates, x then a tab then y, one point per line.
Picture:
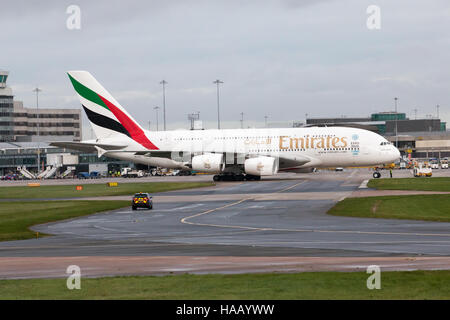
230	154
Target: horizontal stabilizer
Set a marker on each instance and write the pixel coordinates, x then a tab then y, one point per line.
100	151
86	146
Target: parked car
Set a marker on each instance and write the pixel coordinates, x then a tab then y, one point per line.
83	175
95	175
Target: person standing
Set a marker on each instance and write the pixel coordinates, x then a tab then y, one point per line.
390	172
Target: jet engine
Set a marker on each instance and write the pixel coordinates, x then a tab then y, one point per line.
261	166
209	162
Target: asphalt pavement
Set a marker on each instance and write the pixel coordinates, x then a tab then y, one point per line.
273	217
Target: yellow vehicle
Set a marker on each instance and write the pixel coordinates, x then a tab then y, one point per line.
389	166
142	200
423	171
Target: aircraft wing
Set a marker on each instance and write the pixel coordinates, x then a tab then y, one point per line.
288	161
285	160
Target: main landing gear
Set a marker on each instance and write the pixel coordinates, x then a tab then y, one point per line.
235	177
376	175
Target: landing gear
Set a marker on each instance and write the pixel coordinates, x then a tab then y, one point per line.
250	177
226	177
235	177
376	175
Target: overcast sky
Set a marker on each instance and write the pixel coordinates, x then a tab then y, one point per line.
280	58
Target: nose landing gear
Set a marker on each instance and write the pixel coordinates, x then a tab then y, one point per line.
376	175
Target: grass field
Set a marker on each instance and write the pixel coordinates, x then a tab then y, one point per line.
424	184
416	207
93	190
17	217
308	285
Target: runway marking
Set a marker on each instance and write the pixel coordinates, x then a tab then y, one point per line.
424	242
363	185
290	187
185	221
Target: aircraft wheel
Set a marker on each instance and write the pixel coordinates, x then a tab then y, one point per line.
376	175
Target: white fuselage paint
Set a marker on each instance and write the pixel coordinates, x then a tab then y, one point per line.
322	146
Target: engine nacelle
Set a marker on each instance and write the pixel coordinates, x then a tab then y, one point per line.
261	166
209	162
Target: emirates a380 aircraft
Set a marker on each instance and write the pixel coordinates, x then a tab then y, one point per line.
233	154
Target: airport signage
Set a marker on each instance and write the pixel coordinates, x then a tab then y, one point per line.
34	184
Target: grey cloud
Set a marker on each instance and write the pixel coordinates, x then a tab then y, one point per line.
280	58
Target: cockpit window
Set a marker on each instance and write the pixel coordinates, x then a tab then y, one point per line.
385	143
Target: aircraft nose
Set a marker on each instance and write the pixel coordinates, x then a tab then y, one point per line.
396	153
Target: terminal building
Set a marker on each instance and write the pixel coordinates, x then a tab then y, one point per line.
6	109
47	124
25	134
422	138
21	158
20	124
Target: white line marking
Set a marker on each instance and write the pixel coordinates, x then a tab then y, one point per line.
363	184
185	221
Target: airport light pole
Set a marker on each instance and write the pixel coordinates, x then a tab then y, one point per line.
415	114
437	111
218	82
192	117
37	90
242	120
164	82
157	124
396	119
265	120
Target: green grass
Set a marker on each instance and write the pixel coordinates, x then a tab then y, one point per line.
94	190
424	184
314	285
17	217
434	207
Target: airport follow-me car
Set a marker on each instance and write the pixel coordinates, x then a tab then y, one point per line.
142	200
232	154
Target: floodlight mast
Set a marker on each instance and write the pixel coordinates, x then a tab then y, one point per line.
218	82
37	90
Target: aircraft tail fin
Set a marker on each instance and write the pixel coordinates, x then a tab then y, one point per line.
107	116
